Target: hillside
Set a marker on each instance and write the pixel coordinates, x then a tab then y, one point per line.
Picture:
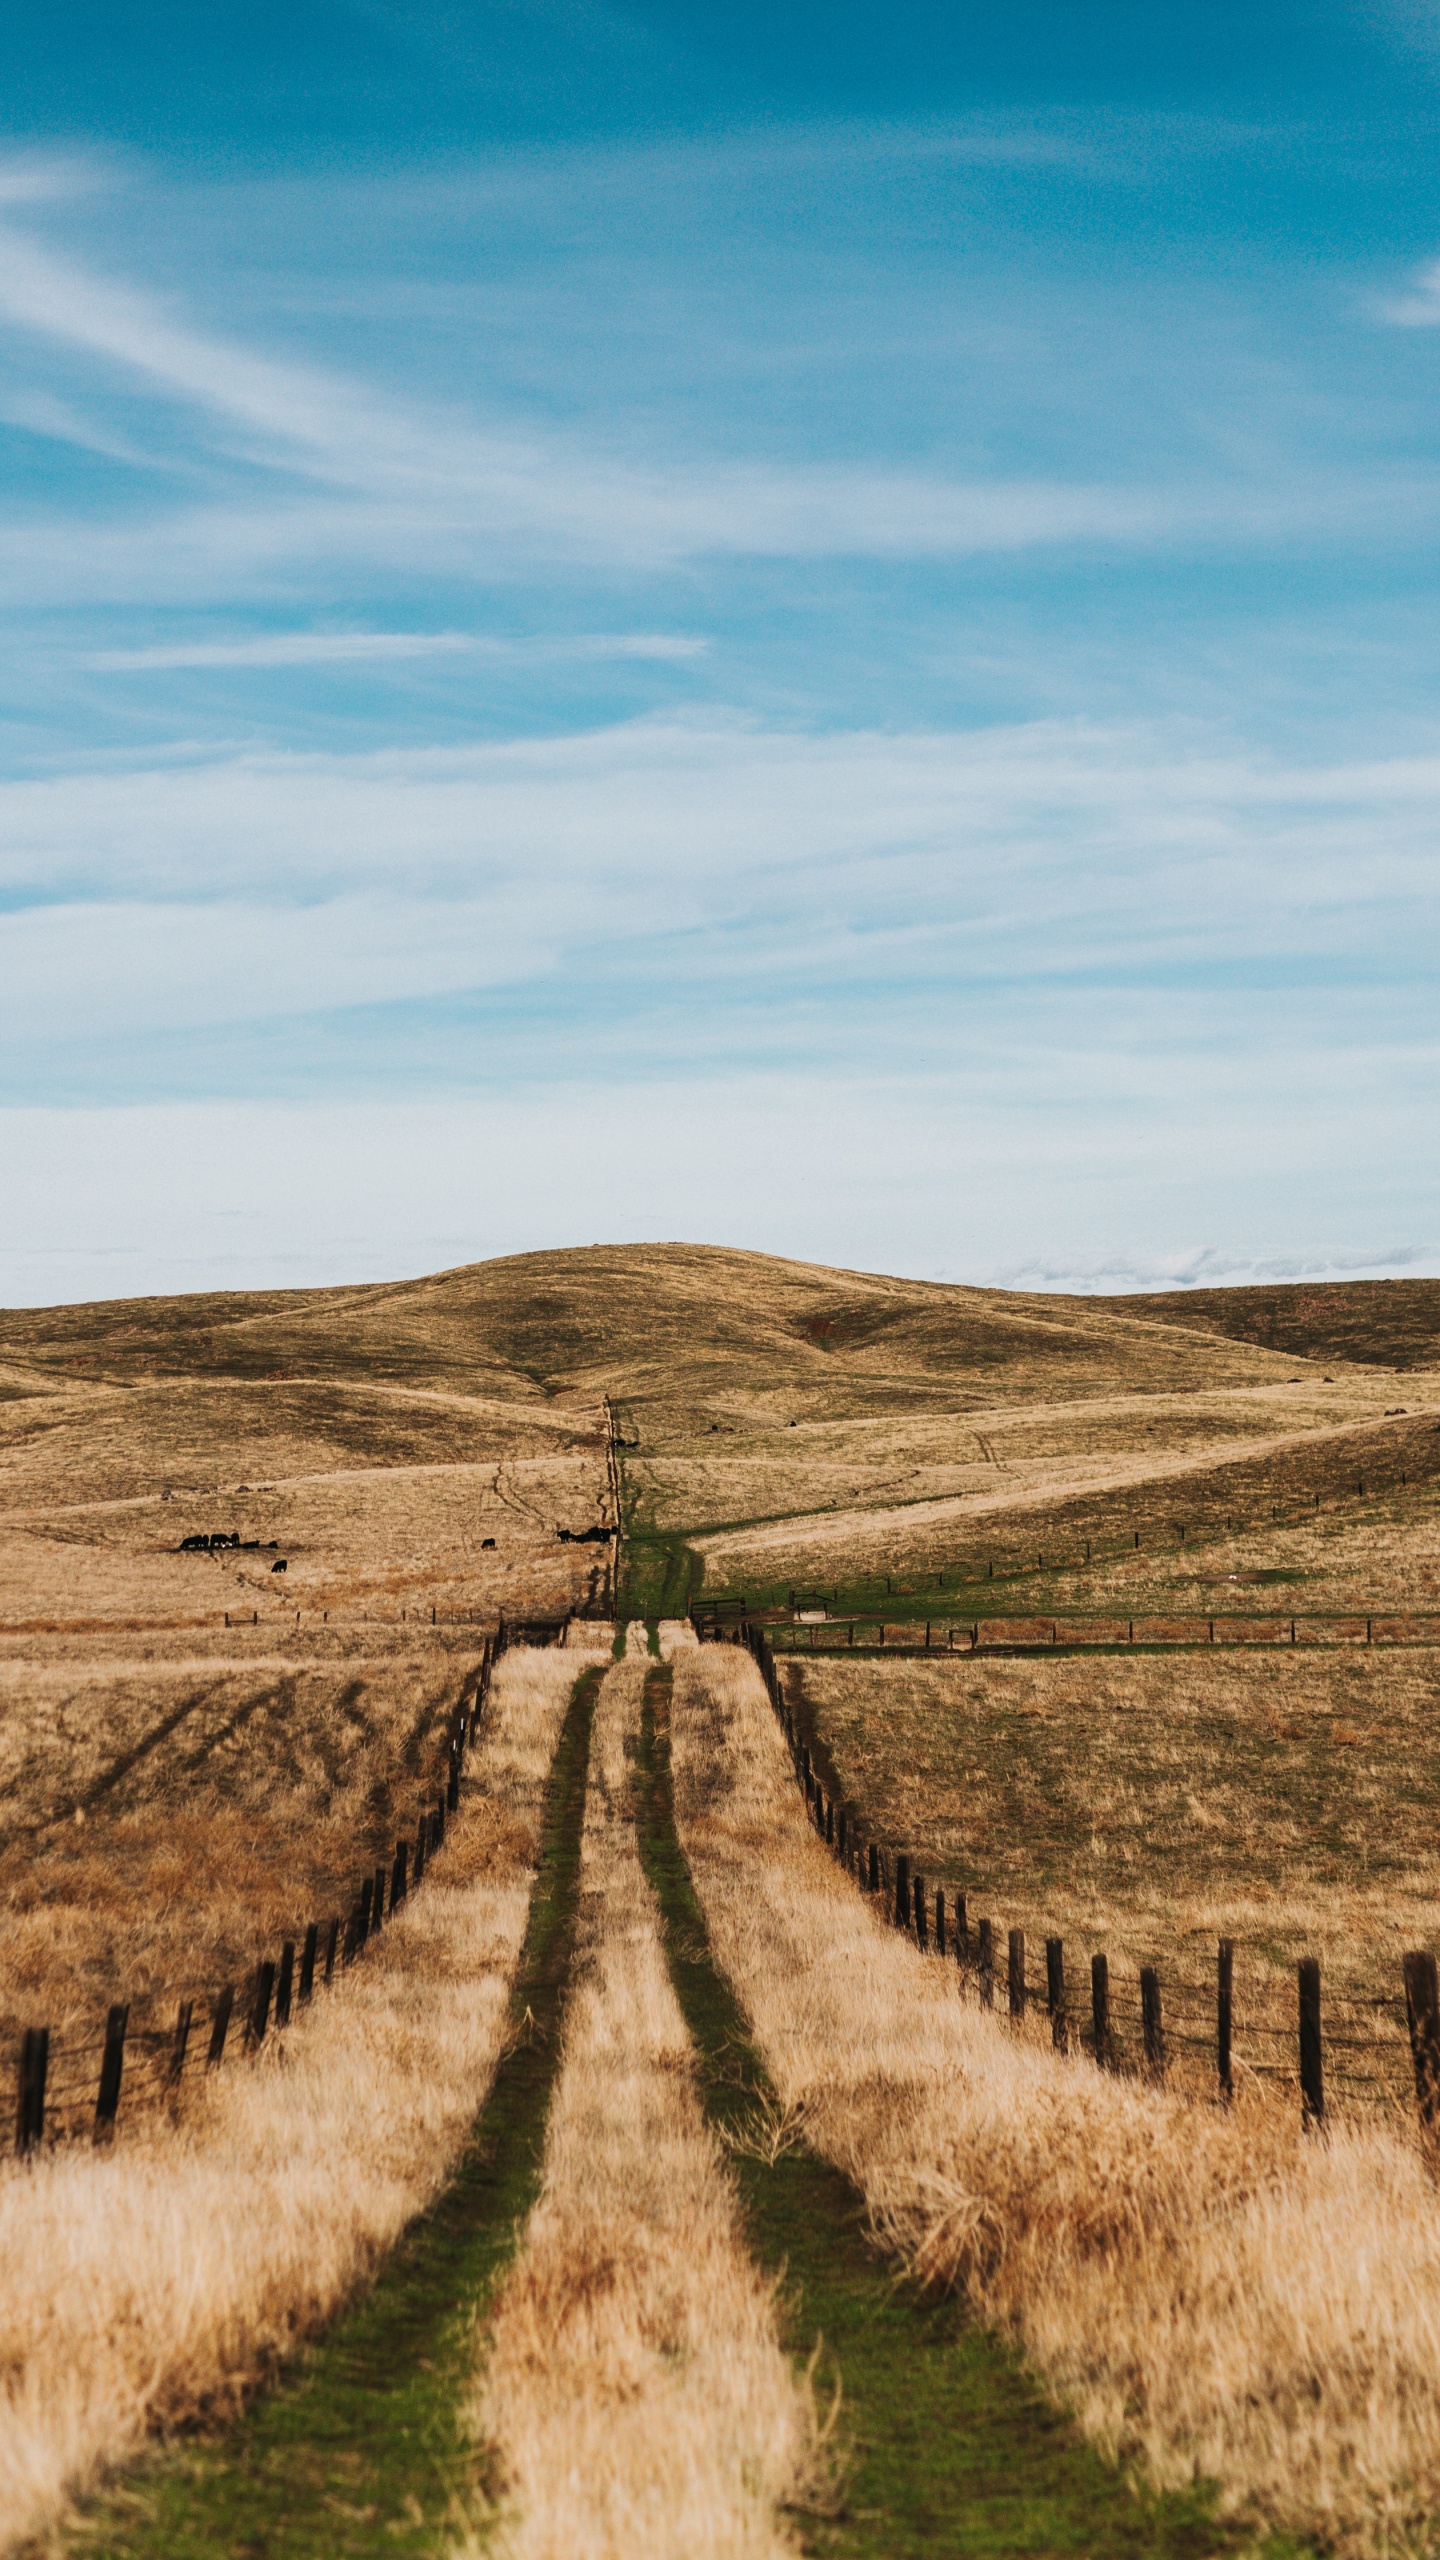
778	1418
1388	1324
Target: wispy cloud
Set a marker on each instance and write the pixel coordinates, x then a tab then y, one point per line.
1000	861
407	481
1418	307
319	648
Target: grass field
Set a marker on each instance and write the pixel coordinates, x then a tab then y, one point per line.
1211	2289
170	1820
153	2283
1145	1808
197	1755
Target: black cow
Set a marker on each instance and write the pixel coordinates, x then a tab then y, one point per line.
282	1567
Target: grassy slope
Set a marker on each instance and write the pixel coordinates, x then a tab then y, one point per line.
1390	1324
873	1419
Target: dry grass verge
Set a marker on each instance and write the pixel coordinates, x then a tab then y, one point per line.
1149	1806
155	2282
1213	2293
635	2390
168	1822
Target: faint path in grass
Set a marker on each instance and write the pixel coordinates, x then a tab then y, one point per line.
361	2448
660	1575
949	2448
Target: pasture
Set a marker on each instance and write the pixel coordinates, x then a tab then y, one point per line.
703	2026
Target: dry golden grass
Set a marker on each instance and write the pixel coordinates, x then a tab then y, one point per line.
1376	1555
159	2279
168	1822
907	1497
382	1435
1211	2291
380	1506
634	2391
179	1793
1147	1806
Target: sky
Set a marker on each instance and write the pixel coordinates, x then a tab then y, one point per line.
809	629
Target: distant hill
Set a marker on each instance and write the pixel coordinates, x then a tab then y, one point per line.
1390	1324
775	1418
675	1324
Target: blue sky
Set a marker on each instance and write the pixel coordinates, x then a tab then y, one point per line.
811	629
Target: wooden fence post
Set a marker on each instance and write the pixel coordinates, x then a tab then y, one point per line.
1152	2023
220	2027
939	1920
1100	2007
331	1943
902	1893
985	1964
112	2064
873	1868
962	1930
1055	1992
399	1876
1015	1973
1312	2067
917	1895
377	1900
30	2109
1225	2017
284	1987
308	1954
180	2045
260	2007
362	1912
1422	2008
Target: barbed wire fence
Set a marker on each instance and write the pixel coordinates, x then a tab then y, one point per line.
73	2088
1190	2022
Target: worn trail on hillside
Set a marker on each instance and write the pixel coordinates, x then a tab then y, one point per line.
361	2447
948	2448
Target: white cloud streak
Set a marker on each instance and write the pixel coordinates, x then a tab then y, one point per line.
407	483
322	648
260	886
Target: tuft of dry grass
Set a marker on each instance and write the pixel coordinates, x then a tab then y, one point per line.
156	2281
634	2389
1213	2293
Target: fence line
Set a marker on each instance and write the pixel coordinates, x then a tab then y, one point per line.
1199	1527
892	1877
59	2094
1110	1630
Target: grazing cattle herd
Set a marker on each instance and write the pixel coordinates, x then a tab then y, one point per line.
205	1541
